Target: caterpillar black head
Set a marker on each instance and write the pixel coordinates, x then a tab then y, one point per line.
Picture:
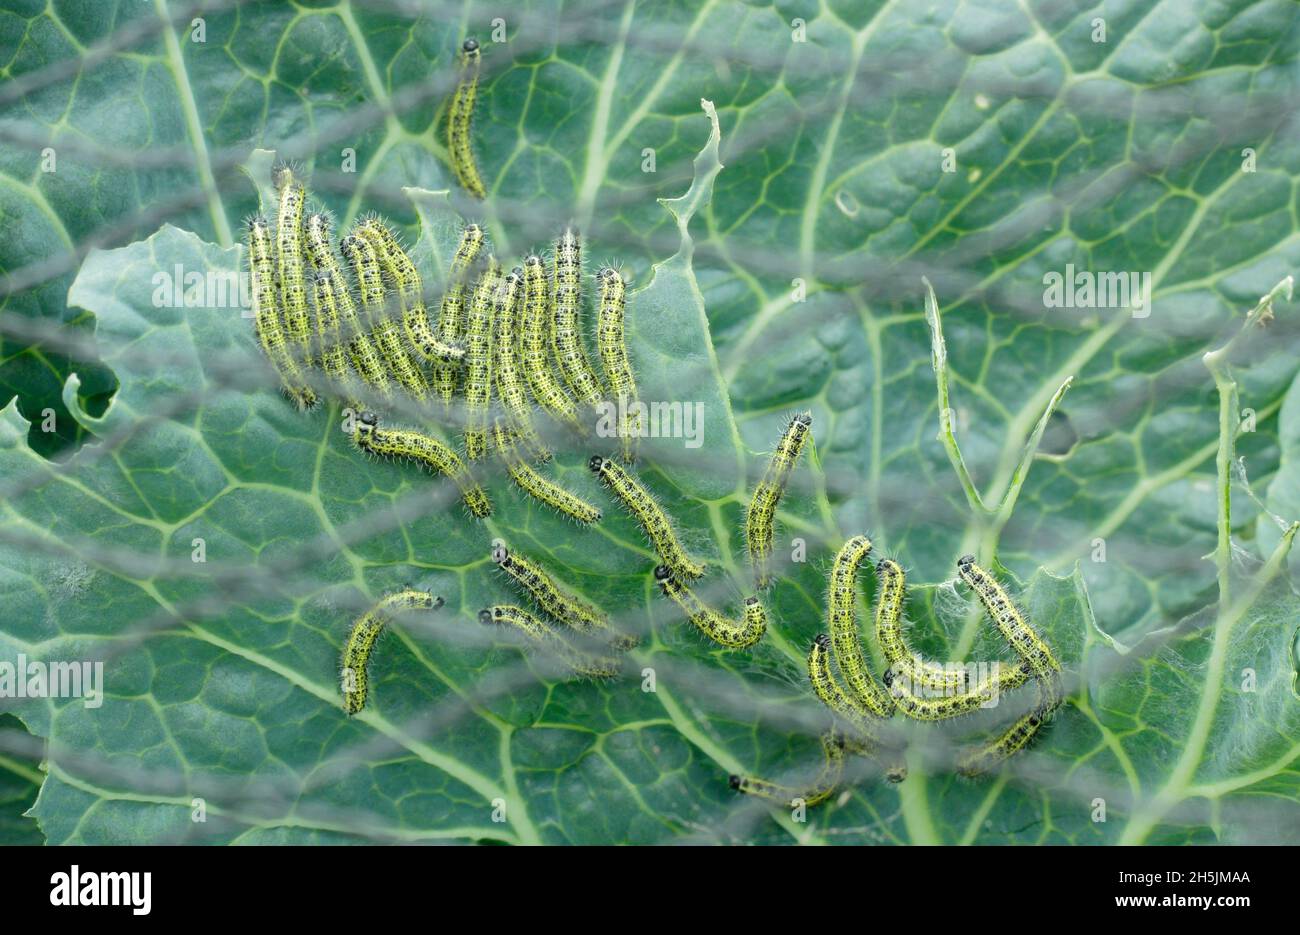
888	678
822	640
751	601
663	573
597	464
368	418
803	418
896	773
533	260
470	45
500	554
485	616
965	561
734	781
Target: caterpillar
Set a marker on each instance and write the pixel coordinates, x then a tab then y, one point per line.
843	614
451	312
651	516
556	602
818	790
536	342
612	344
536	486
908	672
361	640
428	451
401	272
505	363
1014	627
589	666
361	351
289	258
761	517
370	281
328	331
478	363
566	332
863	739
266	316
459	118
708	621
941	707
1011	741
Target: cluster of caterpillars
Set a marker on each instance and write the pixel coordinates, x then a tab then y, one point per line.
506	345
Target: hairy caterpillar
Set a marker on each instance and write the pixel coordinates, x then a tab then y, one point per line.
451	312
370	281
567	330
536	486
459	118
478	363
361	640
536	343
818	790
1011	741
760	520
361	351
433	454
595	667
843	613
328	331
907	672
651	516
612	344
289	256
863	738
556	602
266	316
505	363
1014	627
401	271
942	707
708	621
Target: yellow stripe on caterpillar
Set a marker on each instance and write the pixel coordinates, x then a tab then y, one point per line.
478	362
650	515
401	271
425	450
536	486
370	283
843	613
266	315
505	363
460	118
760	520
818	790
361	350
612	344
360	643
536	343
451	311
708	621
536	629
567	329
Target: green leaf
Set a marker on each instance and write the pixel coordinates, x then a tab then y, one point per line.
1116	155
